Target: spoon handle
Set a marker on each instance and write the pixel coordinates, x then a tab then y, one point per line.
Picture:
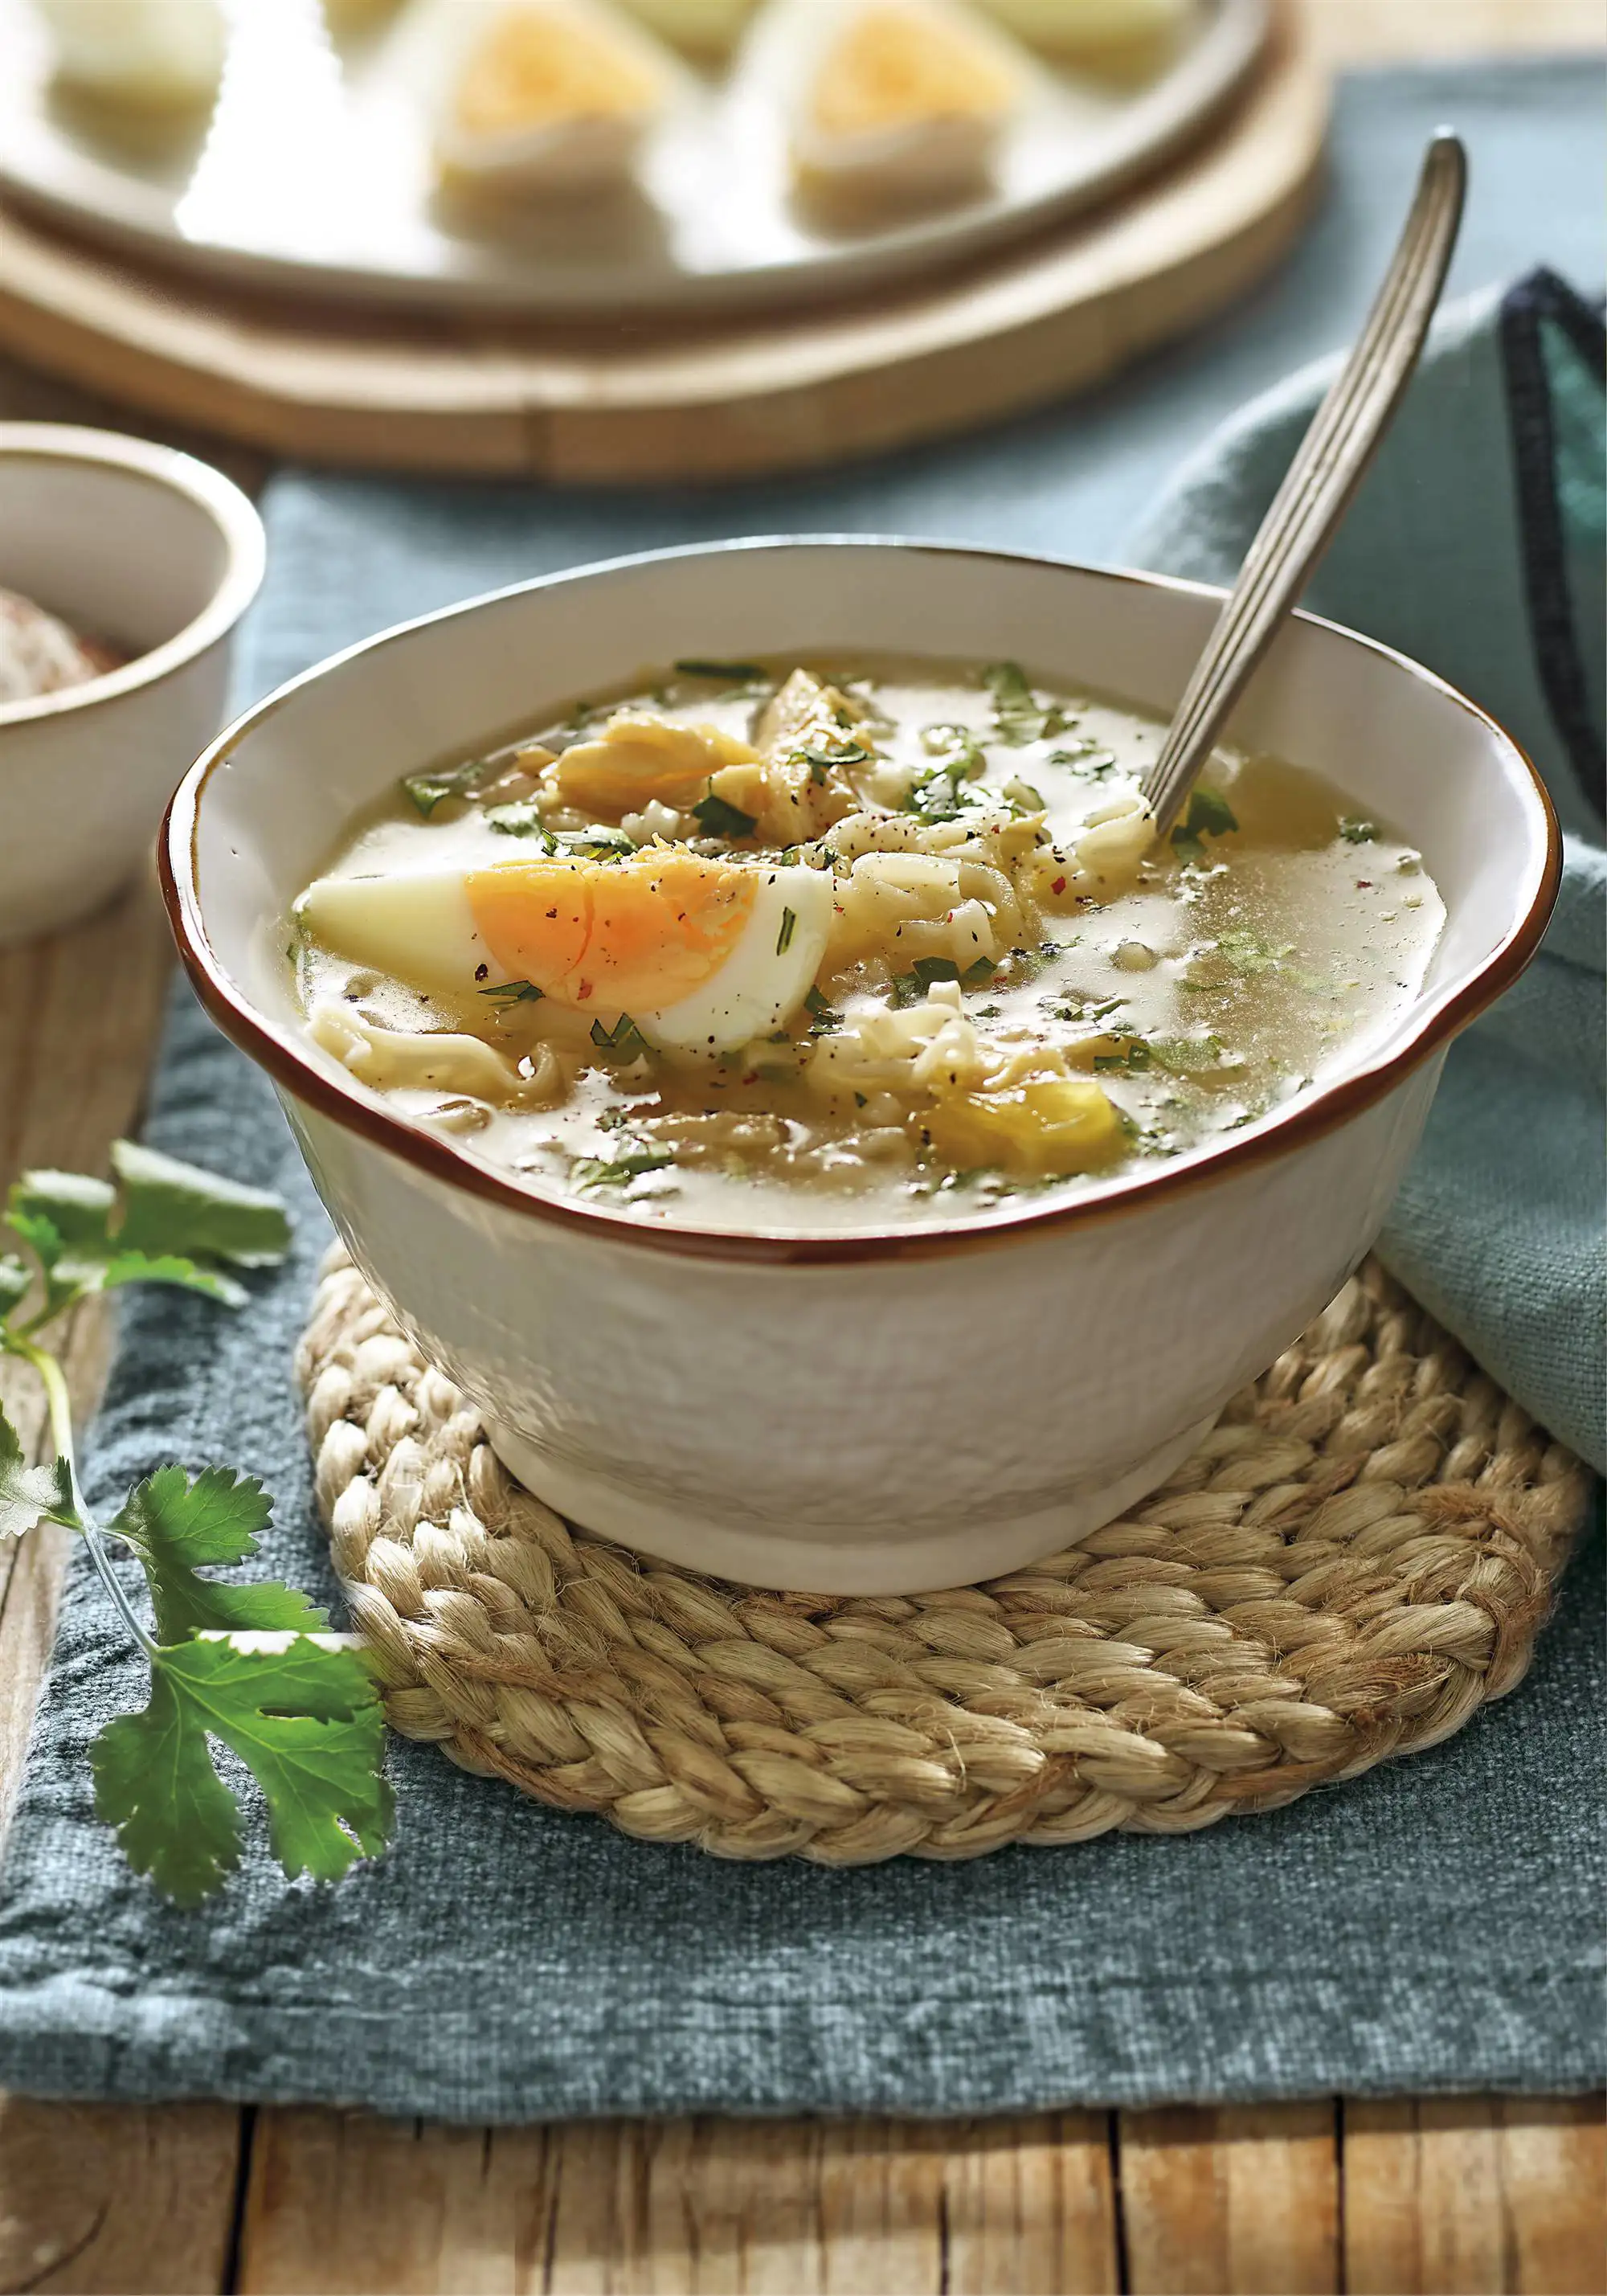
1344	435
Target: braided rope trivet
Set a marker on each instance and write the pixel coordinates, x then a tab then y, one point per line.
1356	1557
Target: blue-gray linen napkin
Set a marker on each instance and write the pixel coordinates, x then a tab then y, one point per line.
1433	1925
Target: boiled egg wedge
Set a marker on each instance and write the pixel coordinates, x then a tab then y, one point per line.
549	96
150	55
907	101
701	955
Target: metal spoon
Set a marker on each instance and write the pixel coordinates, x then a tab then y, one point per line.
1306	511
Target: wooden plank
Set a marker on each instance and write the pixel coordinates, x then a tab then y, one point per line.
347	2202
1242	2200
78	1017
1466	2196
122	2199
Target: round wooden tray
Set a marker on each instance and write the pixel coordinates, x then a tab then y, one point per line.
713	400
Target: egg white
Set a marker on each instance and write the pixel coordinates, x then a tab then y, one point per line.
418	927
157	54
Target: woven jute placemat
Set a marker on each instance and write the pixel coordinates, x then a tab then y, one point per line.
1357	1556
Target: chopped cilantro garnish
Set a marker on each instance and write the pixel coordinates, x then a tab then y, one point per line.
619	1171
928	969
595	844
905	990
1086	759
730	673
719	819
980	974
1248	952
1356	832
506	994
427	791
520	820
623	1037
789	926
1134	1057
1018	715
1186	1057
1208	815
821	761
825	1017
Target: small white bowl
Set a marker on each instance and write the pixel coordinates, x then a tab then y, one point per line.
888	1409
159	555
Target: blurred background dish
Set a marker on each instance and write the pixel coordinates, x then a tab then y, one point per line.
315	167
141	560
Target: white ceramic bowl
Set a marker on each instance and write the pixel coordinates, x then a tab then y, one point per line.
160	556
892	1409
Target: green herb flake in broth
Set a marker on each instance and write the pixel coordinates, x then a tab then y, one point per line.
1356	832
719	819
1134	1057
619	1171
1018	716
505	994
425	791
624	1038
826	1018
979	975
789	926
520	819
1208	815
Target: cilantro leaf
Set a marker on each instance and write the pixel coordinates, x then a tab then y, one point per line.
1018	715
154	1782
15	1277
1356	832
1208	815
300	1712
520	819
505	994
428	790
623	1037
825	1018
719	819
171	1207
619	1171
173	1217
172	1524
30	1495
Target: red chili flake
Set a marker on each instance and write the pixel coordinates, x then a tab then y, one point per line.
1364	884
585	991
1059	885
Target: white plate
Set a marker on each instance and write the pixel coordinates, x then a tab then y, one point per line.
314	173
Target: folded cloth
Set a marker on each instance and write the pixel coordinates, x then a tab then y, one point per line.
1477	544
1432	1925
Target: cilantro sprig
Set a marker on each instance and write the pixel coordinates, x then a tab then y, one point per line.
249	1667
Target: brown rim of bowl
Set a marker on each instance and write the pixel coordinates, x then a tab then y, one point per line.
245	554
1273	1136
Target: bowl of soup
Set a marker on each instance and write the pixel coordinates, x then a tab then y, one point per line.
735	1007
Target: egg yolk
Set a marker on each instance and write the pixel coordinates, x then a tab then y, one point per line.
539	64
613	935
901	63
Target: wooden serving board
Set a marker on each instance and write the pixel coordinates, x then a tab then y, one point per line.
692	401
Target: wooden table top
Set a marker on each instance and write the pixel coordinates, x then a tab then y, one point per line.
1452	2195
